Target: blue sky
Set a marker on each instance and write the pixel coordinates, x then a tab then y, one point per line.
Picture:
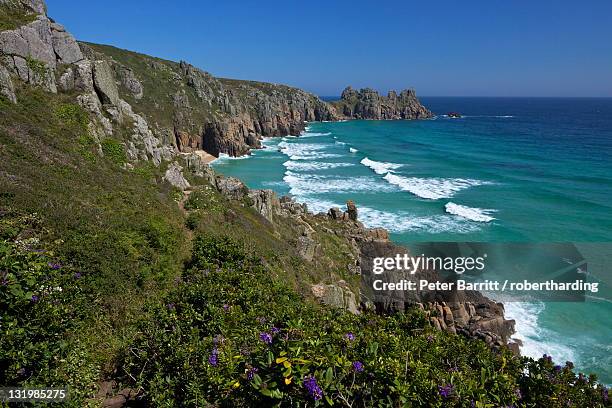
447	48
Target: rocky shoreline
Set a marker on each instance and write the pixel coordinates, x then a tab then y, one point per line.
470	314
179	116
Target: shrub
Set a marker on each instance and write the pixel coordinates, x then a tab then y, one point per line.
232	335
75	116
114	150
204	198
43	304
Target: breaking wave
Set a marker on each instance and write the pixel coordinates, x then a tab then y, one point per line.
380	167
470	213
313	166
432	188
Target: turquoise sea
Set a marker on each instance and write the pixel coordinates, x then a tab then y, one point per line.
511	169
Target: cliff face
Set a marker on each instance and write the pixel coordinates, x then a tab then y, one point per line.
368	104
172	107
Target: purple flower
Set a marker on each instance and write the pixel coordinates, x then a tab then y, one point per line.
518	394
34	298
430	338
213	359
358	366
557	368
313	388
275	330
265	337
604	394
226	308
251	373
349	336
77	275
446	390
4	282
54	266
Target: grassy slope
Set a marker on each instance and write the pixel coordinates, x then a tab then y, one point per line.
135	306
121	229
12	17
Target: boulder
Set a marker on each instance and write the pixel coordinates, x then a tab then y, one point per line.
130	82
335	213
174	175
351	210
231	187
104	83
338	296
6	85
65	46
265	202
306	247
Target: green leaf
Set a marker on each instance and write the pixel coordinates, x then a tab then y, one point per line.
329	376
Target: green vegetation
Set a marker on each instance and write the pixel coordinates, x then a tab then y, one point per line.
13	16
110	274
231	335
114	150
121	234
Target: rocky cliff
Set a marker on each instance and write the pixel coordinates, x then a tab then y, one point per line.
466	313
368	104
162	107
165	112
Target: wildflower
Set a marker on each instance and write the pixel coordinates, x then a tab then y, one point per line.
430	338
557	368
313	388
226	308
446	390
275	330
604	394
518	394
213	359
35	298
251	373
4	282
54	266
265	337
349	336
77	275
358	366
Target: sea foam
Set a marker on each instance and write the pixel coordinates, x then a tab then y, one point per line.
470	213
395	222
536	340
432	188
307	184
313	166
305	151
380	167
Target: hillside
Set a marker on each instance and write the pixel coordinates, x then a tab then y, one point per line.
136	276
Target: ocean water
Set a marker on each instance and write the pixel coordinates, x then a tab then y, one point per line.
511	169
